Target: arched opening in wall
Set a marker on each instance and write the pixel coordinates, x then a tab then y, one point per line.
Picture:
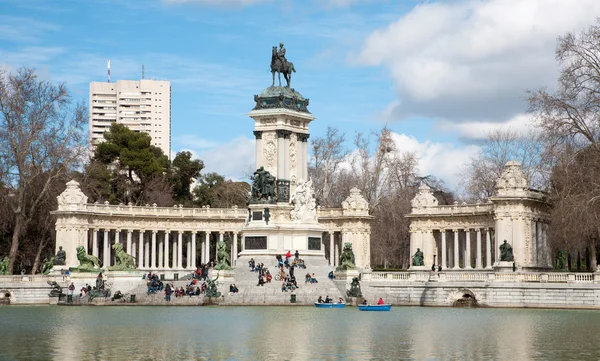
4	297
465	298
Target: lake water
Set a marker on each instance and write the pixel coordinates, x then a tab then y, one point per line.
296	333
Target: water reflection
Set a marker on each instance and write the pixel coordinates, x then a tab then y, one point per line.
295	333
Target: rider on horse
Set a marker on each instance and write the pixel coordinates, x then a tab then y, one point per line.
281	54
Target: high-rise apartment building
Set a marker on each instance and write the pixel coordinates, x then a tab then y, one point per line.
141	105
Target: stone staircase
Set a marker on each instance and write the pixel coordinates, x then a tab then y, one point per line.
270	293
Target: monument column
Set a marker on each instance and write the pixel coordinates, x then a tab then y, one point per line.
488	249
456	259
467	262
235	249
286	156
174	263
167	241
161	248
192	257
118	236
259	146
141	249
331	240
337	256
147	254
478	261
280	154
153	265
207	245
443	256
129	241
106	249
95	242
180	250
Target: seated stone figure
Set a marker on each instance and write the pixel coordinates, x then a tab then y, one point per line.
418	258
346	258
61	257
506	252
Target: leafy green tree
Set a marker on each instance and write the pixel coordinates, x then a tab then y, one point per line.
127	168
183	171
215	191
133	152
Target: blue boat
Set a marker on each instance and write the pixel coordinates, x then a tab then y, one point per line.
385	307
329	305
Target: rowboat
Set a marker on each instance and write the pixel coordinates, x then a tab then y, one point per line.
385	307
329	305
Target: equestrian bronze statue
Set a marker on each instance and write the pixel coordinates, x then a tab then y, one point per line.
280	65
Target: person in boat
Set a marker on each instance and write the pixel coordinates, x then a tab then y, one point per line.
364	302
341	300
380	302
327	299
320	300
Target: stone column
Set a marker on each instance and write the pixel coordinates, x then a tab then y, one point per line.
203	251
207	245
456	259
468	249
180	250
95	243
153	265
443	256
193	255
221	233
167	241
188	251
141	249
535	245
286	157
336	256
129	241
147	254
259	149
106	248
547	255
304	164
235	249
118	236
331	240
161	249
478	260
488	249
174	263
280	154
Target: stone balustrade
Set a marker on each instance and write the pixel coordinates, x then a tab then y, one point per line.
457	209
177	211
490	277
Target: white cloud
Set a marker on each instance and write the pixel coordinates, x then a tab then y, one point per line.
521	123
472	59
195	142
437	159
232	159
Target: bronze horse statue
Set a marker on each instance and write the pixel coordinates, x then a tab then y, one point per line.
278	66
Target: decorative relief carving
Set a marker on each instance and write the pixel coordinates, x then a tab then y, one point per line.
424	198
268	121
355	204
72	198
269	153
512	181
292	151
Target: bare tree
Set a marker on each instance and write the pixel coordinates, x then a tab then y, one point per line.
501	146
328	152
570	121
41	133
572	113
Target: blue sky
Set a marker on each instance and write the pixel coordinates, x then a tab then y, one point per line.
439	73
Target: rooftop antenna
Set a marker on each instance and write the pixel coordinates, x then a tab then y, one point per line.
108	65
142	71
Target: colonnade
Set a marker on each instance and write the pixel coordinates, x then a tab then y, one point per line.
334	247
456	248
161	249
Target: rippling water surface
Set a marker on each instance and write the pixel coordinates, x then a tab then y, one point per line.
295	333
